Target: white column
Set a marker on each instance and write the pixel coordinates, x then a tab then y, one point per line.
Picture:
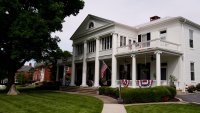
57	72
114	60
84	65
181	84
158	73
73	67
64	73
42	74
96	77
133	70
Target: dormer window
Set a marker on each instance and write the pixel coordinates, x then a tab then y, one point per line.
91	25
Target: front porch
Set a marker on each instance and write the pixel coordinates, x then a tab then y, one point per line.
156	65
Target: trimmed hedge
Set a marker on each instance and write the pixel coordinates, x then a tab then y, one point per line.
49	86
141	95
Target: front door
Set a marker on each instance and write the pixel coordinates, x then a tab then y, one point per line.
163	73
144	40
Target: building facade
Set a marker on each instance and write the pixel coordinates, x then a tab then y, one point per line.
155	51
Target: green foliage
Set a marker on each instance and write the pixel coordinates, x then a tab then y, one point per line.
198	87
191	89
26	27
49	86
22	79
141	95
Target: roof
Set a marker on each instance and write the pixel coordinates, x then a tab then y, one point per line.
25	69
148	24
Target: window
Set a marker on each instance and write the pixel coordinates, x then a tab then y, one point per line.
122	41
106	42
91	46
129	42
91	25
163	34
79	49
192	71
144	39
191	38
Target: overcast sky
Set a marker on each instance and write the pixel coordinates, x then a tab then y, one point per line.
129	12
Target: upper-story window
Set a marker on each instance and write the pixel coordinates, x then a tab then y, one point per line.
106	42
91	25
191	38
122	41
79	49
144	39
163	34
91	46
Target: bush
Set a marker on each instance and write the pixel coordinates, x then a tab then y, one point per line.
191	88
198	87
141	95
49	86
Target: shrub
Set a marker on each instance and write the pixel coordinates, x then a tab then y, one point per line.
198	87
49	86
141	95
191	88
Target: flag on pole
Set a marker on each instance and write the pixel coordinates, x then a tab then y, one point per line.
103	69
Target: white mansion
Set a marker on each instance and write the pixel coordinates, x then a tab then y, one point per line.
150	51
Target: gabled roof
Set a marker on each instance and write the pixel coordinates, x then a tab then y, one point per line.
83	27
25	69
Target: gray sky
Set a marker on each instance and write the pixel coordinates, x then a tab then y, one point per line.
129	12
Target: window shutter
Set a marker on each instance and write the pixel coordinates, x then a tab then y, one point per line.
139	38
148	36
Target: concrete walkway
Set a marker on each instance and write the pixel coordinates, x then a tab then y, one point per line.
113	108
110	104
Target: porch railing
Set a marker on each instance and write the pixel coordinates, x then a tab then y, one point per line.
149	44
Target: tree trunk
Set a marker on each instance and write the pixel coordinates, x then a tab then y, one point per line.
11	88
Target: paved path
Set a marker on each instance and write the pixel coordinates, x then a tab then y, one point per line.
113	108
192	98
110	104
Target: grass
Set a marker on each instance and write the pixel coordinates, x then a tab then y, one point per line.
164	108
49	102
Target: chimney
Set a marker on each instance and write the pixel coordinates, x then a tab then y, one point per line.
154	18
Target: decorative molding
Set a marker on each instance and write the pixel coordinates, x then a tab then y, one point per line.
158	52
133	55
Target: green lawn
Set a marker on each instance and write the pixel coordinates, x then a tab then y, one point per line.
164	108
49	102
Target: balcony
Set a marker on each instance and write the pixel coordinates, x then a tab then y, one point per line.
155	43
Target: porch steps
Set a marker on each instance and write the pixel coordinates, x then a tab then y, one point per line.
77	89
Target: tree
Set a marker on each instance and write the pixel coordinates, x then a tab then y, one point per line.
26	27
52	59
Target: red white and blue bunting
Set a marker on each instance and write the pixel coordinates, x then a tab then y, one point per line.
144	83
125	82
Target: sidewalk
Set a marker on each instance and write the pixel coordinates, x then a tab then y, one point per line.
110	104
113	108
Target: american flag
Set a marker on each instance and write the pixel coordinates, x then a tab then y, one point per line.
103	69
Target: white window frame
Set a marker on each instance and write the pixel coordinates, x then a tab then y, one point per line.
163	36
191	38
192	71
